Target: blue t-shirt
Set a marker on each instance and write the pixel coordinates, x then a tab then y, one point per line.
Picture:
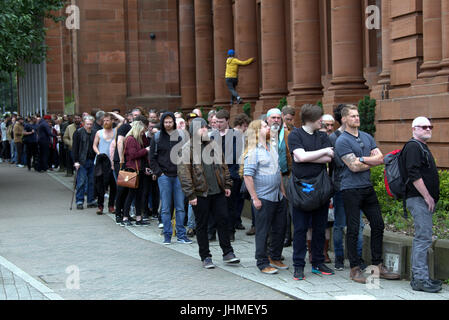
361	146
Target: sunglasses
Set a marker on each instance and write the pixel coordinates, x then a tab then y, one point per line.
425	127
360	142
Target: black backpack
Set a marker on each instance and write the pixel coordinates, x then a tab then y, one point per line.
394	174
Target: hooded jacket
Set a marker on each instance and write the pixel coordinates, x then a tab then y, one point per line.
160	162
232	66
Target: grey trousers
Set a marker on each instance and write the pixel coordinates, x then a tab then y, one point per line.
423	236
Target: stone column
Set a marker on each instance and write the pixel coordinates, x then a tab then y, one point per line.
306	53
432	38
274	75
386	43
347	51
445	37
223	41
204	53
187	54
348	83
246	47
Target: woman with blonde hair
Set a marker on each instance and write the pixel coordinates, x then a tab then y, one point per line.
263	180
136	148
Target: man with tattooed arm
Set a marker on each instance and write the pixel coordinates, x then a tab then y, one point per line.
359	152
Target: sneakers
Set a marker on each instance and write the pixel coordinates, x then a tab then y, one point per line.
240	227
79	207
239	100
299	274
167	240
100	210
184	240
208	264
190	233
425	285
126	223
269	270
277	264
357	275
251	231
230	258
142	223
160	225
322	269
339	263
118	219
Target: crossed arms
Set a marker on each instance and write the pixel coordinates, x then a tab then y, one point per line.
376	158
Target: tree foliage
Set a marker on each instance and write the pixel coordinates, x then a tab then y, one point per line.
367	112
22	31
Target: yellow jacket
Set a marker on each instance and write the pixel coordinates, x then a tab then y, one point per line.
232	66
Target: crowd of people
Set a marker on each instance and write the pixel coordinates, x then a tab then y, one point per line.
194	172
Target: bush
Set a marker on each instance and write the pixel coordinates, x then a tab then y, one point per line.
392	210
247	109
367	112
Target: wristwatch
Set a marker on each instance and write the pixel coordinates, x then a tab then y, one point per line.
362	160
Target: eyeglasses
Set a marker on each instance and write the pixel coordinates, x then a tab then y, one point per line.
362	145
425	127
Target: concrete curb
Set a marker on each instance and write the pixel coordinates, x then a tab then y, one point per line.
47	292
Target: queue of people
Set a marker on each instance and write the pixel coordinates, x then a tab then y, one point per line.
301	181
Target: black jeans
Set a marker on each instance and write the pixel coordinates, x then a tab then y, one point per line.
364	199
122	194
102	189
270	220
6	153
44	153
212	206
19	147
135	195
301	223
31	150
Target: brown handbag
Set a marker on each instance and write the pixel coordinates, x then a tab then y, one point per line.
127	178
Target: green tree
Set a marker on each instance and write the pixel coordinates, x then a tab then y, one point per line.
22	32
282	103
367	113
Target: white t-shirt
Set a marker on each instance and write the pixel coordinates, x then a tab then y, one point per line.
3	127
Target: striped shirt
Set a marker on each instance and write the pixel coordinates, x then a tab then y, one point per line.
263	166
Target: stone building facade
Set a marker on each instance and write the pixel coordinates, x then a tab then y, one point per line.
170	54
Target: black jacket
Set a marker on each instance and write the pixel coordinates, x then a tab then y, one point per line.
102	173
160	162
82	146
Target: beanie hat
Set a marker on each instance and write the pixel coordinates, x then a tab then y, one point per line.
231	52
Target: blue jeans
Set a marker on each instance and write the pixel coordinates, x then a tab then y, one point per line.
85	179
13	151
170	190
340	224
191	218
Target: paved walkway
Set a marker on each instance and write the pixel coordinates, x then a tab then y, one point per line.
315	287
96	243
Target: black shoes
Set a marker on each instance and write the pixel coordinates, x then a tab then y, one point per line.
79	207
339	263
142	223
299	274
428	285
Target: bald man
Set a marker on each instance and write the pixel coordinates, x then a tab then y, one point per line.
422	194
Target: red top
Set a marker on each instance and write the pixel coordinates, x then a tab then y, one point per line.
135	152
